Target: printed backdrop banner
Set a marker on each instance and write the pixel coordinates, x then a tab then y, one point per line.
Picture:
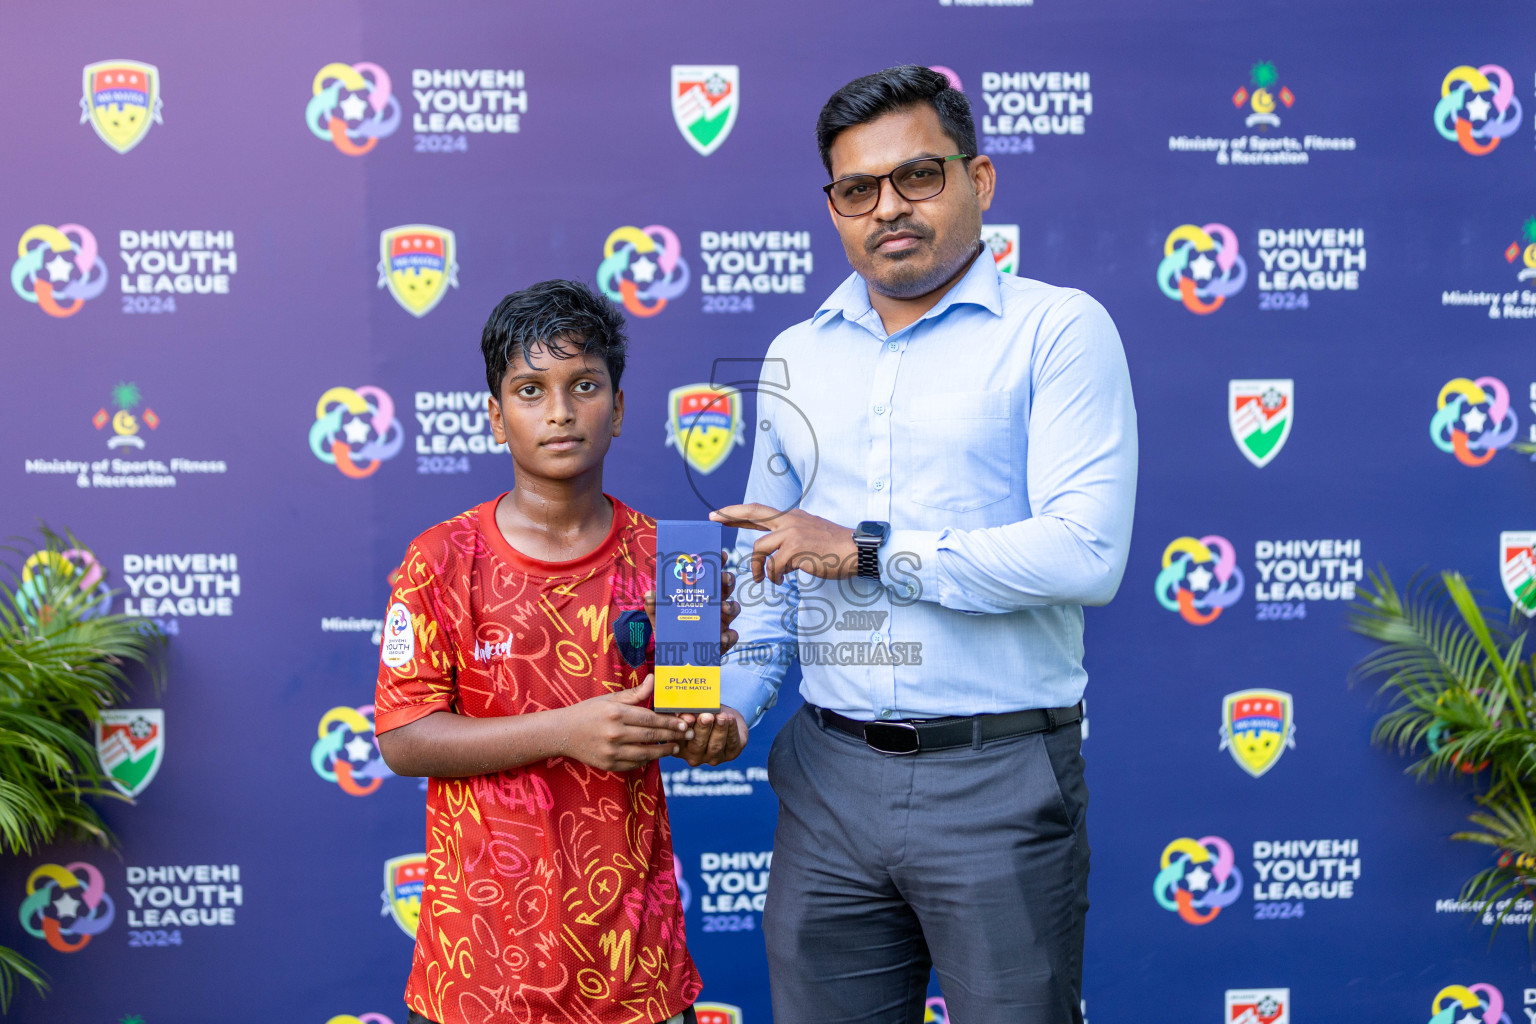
255	245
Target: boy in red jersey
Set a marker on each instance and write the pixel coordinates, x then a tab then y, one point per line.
550	893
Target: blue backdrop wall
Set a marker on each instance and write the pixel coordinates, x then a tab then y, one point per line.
243	229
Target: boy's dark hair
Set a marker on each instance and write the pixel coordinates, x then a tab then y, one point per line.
864	99
566	317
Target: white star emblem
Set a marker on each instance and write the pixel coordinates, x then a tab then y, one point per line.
352	107
643	269
1202	267
1470	1018
1475	419
1199	578
1198	879
58	269
359	749
67	905
1478	108
356	431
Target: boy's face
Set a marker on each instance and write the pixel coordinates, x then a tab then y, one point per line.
557	416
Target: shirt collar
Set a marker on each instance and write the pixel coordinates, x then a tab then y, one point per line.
981	286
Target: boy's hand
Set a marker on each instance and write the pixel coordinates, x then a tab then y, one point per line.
715	738
728	609
618	732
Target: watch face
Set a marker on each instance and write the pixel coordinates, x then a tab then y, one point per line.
871	530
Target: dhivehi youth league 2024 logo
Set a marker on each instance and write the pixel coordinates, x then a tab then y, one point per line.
643	268
705	98
1474	1004
121	101
356	430
1473	419
1197	878
352	106
1477	108
67	905
418	263
58	269
1199	578
347	752
1260	413
1201	267
704	424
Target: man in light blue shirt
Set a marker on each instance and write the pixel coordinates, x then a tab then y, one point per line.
944	479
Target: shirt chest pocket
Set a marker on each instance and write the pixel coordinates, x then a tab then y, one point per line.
955	450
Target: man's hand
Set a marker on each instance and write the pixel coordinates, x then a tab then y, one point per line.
793	540
618	731
716	738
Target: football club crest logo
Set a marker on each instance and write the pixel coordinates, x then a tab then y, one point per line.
1517	566
1197	878
704	102
1260	413
58	263
67	905
643	268
130	743
1200	577
1258	1006
352	106
717	1013
1477	108
704	424
1473	419
418	263
1262	99
347	752
404	879
355	430
1478	1004
121	101
1003	243
125	425
1201	267
1257	727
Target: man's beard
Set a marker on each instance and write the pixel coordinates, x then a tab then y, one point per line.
898	280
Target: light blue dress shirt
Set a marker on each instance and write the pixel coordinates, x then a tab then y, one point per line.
997	436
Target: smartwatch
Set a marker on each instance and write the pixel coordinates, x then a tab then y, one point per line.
867	537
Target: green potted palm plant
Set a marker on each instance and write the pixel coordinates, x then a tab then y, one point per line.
1463	705
63	657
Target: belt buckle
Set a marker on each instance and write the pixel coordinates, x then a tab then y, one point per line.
900	738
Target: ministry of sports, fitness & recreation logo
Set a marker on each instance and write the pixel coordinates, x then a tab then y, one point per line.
355	430
418	263
66	905
121	101
1197	878
1478	108
1201	267
352	106
125	425
705	98
347	752
58	268
643	268
1262	97
1199	578
1473	419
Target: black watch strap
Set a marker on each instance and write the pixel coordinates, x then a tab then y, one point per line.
869	559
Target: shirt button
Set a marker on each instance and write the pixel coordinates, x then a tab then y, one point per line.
911	589
875	638
886	713
879	410
879	485
892	346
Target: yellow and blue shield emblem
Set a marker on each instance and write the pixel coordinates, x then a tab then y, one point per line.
418	263
704	424
717	1013
404	879
1257	727
122	99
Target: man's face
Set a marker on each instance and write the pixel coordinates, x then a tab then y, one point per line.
905	249
557	416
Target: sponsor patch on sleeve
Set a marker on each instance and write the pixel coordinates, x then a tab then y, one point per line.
399	645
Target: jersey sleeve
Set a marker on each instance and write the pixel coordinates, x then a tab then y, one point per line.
416	664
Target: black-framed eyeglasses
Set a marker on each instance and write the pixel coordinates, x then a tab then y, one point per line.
914	181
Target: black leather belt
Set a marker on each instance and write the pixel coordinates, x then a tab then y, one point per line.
909	736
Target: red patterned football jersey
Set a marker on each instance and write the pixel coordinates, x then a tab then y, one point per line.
550	893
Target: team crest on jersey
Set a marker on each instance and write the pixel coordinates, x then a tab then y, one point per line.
1260	413
121	101
1517	566
130	744
1003	243
404	879
1257	726
418	263
704	424
717	1013
1258	1006
704	102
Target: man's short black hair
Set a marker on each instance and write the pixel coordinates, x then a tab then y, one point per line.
864	99
566	317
